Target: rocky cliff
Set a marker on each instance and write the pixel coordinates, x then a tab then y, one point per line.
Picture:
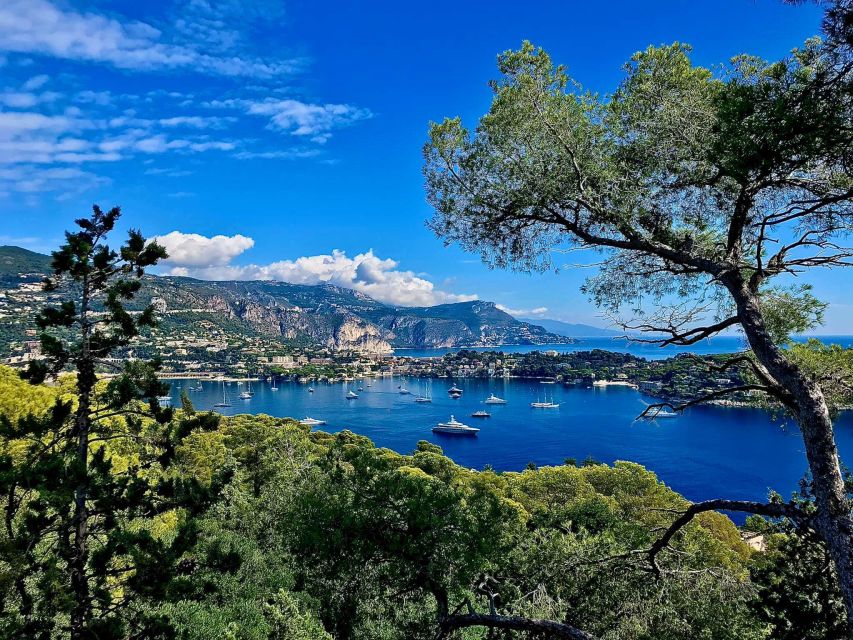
338	318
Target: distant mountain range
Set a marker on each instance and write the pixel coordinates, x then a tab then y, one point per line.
572	330
323	314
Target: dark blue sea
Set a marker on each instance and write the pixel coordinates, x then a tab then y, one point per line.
705	453
717	344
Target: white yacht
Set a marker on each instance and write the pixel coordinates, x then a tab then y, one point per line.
455	427
310	389
404	391
311	422
351	395
454	389
493	399
663	413
164	401
481	414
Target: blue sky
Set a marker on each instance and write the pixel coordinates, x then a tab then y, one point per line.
283	139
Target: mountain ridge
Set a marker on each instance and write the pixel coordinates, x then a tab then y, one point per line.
325	314
572	330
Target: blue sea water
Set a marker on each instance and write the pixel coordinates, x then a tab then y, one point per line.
707	452
717	344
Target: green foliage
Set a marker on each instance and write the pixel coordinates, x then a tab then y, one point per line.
680	175
831	365
797	592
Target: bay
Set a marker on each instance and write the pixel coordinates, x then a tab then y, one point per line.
711	346
708	452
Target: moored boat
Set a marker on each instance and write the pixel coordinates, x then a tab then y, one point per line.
455	427
493	399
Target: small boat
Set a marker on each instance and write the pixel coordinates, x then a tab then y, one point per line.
456	395
310	389
454	389
663	413
493	399
351	395
311	422
224	402
405	392
547	382
164	401
455	427
245	395
481	414
422	399
361	388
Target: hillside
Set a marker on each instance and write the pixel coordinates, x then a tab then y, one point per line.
327	315
21	265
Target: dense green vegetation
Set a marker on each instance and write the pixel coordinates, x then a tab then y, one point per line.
313	535
123	519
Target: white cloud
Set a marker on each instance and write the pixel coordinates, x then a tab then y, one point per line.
194	250
523	313
36	82
42	27
304	119
65	180
210	259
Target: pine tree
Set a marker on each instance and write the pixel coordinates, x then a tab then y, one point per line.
82	489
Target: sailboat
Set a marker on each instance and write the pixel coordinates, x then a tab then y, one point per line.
224	402
548	404
424	398
273	387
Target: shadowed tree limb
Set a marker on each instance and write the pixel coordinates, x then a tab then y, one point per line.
653	409
768	509
545	628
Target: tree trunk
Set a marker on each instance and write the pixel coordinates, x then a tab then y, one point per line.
834	523
82	420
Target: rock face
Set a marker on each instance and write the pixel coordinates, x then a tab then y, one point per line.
346	320
327	315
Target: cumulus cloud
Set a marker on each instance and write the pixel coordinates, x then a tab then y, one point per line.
194	250
380	278
43	27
